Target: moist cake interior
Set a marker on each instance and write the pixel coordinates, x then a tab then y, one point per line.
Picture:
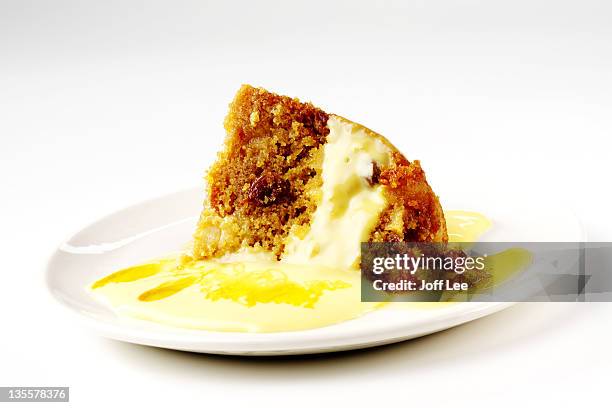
300	185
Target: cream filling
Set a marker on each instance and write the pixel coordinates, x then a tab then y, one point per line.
349	206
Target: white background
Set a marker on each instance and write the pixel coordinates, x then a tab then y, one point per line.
103	104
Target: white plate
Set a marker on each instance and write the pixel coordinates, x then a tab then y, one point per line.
165	224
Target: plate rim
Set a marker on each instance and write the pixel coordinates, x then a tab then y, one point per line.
269	344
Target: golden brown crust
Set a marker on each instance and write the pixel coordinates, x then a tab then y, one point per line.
414	213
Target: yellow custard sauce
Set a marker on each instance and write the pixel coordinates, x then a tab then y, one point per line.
466	226
258	295
237	296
